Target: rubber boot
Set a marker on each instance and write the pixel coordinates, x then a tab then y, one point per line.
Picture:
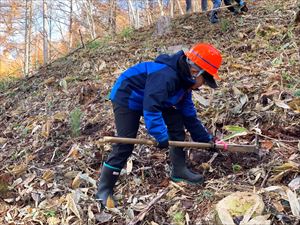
108	178
243	7
214	17
234	10
180	172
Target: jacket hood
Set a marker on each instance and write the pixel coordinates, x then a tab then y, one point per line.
178	63
170	60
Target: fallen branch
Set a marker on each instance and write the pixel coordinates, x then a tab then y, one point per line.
143	213
274	139
222	7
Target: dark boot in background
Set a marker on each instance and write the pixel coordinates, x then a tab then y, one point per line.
108	178
243	7
233	10
214	17
180	172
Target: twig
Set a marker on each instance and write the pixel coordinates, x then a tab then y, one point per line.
274	139
82	43
265	178
223	7
213	158
54	153
176	186
142	214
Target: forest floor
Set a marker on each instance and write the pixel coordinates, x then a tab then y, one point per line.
48	174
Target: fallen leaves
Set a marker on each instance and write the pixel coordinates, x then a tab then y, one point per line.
295	105
267	145
46	129
281	104
80	178
2	140
72	200
19	169
259	91
294	203
103	217
248	206
282	170
286	194
53	221
48	175
74	152
235	131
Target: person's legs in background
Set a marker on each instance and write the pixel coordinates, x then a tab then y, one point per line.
204	5
188	6
214	13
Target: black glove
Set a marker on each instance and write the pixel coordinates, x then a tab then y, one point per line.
163	144
213	141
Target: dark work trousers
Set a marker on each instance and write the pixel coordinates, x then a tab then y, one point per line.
127	125
188	5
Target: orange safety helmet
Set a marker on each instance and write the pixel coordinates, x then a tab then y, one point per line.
206	57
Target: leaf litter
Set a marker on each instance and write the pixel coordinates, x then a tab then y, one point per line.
48	175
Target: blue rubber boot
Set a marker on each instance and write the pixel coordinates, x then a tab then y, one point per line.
180	172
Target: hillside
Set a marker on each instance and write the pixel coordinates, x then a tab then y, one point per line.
48	176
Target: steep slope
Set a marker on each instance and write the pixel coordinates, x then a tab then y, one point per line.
49	175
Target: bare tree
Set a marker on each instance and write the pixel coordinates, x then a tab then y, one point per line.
148	12
28	25
133	14
171	2
112	16
70	25
90	19
161	7
179	6
45	32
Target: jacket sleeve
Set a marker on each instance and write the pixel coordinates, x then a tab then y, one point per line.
156	93
198	132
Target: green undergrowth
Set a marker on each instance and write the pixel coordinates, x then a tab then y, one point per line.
7	82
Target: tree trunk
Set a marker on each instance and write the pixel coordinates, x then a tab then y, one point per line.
28	25
196	6
179	6
133	13
70	25
161	8
112	17
171	8
130	13
45	32
49	20
137	16
90	18
149	17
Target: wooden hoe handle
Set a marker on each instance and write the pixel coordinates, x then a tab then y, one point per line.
230	147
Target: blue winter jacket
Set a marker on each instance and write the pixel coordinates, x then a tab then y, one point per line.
152	87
